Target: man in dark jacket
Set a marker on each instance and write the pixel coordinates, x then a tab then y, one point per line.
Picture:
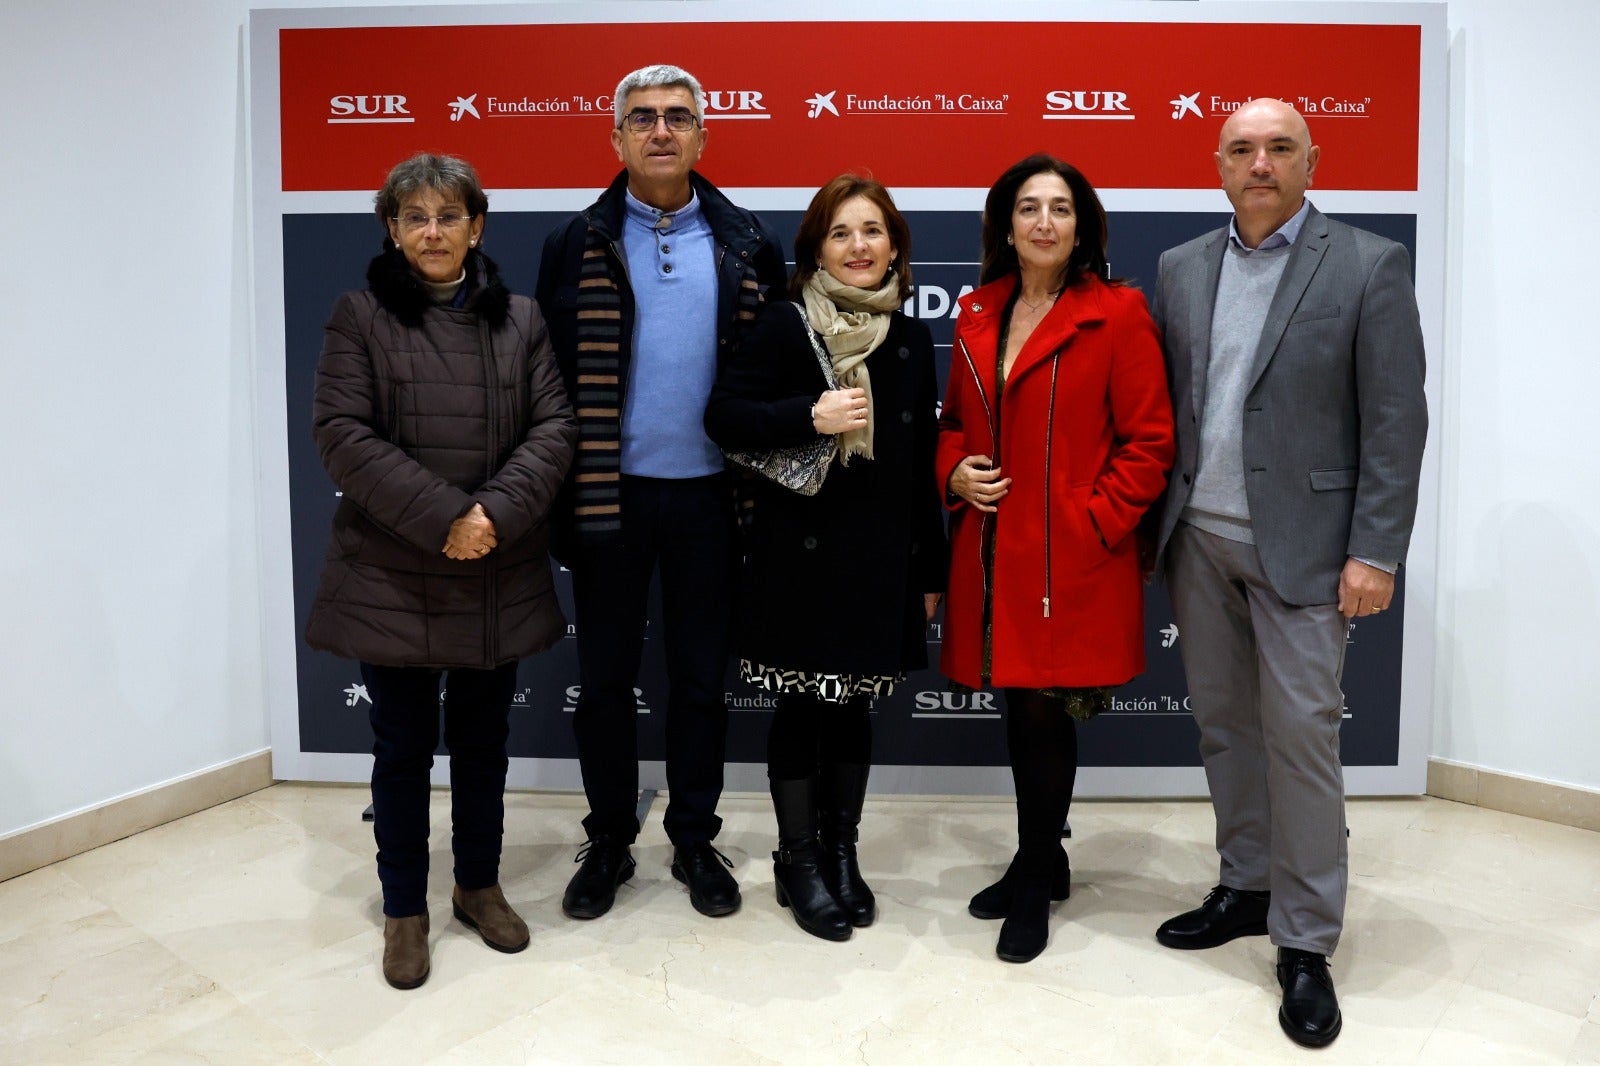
646	292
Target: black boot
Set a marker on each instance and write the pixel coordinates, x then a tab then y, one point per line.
1027	926
794	865
995	901
844	789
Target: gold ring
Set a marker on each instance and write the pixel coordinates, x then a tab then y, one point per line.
1375	610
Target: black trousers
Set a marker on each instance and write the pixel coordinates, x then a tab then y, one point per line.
405	733
684	530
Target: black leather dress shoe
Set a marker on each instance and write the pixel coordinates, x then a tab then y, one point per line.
712	889
593	889
1310	1011
1227	914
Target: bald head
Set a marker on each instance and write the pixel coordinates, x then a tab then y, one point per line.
1265	159
1266	109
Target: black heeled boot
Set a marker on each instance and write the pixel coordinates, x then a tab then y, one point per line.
1026	930
795	870
843	791
995	901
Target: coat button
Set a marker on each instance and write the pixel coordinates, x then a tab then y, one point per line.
905	353
905	416
810	543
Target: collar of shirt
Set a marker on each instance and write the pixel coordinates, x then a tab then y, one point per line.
1283	236
651	218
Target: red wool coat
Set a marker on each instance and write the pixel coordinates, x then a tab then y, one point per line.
1086	437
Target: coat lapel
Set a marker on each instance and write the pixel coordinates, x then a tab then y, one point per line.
977	333
1297	274
1202	305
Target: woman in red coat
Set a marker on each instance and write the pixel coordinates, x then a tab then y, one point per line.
1056	436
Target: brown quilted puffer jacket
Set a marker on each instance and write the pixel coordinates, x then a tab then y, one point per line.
420	411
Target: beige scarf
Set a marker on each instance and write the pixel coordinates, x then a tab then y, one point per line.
853	322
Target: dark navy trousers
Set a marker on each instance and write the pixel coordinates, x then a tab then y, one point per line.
405	733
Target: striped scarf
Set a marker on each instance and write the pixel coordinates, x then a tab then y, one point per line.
596	478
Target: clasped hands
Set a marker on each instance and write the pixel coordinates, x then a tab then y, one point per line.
977	480
471	536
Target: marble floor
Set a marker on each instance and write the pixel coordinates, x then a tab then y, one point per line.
249	933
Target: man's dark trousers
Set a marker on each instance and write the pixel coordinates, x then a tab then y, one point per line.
684	528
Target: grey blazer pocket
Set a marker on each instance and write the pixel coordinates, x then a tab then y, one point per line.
1311	314
1338	477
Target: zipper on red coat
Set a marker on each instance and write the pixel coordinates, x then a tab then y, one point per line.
994	444
1049	432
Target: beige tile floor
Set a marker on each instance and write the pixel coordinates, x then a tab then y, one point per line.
249	933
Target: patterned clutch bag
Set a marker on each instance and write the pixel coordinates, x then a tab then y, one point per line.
802	467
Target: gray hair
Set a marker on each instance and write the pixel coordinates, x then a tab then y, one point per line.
452	178
659	75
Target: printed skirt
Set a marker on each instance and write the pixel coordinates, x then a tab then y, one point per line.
831	688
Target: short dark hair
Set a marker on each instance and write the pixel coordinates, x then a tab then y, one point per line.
1000	258
819	217
450	177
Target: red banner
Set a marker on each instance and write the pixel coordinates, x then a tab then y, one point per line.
938	104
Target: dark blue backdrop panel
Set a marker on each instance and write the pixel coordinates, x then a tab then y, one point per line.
923	723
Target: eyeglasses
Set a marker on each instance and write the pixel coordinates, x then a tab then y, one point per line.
416	220
678	119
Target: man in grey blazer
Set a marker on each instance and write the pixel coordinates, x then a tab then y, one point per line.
1294	355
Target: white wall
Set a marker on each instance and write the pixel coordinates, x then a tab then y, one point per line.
129	639
1518	687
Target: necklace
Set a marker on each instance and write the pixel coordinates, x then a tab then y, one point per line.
1033	308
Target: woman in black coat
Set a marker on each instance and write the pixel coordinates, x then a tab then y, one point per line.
839	586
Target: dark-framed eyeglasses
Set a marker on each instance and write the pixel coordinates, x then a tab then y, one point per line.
643	120
413	221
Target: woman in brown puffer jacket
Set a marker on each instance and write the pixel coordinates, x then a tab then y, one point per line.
440	415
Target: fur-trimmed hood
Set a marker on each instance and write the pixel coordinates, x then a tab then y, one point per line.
404	295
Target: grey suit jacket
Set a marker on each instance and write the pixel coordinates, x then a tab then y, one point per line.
1335	418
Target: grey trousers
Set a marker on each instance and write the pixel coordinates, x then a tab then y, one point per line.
1263	681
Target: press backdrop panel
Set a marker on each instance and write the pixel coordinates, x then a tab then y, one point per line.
525	95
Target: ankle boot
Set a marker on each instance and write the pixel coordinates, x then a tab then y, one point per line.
405	950
794	865
486	911
1027	926
843	791
995	901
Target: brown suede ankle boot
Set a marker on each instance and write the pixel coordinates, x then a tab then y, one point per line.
486	910
405	950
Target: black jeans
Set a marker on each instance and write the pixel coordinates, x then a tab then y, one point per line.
405	733
684	529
